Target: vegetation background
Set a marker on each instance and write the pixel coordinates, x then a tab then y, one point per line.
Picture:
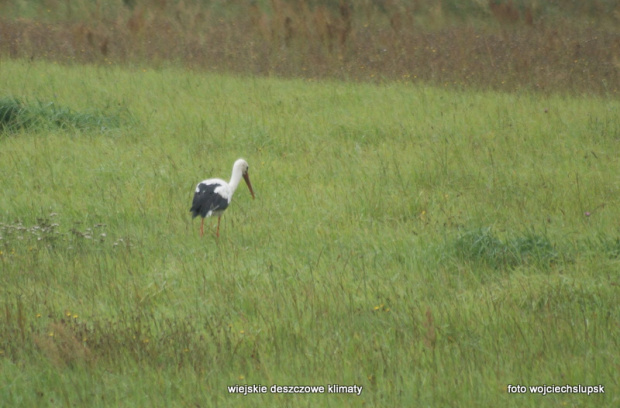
436	215
548	46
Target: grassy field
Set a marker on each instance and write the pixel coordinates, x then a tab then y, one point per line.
431	246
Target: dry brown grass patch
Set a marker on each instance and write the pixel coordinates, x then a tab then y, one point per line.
511	46
60	345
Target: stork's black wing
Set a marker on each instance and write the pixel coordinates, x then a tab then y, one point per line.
206	200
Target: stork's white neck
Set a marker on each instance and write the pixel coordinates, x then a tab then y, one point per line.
237	173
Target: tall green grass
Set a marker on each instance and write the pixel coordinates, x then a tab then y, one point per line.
15	115
431	246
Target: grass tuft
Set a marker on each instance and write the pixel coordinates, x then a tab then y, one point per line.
39	116
482	246
10	114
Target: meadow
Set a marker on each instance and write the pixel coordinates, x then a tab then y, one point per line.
432	246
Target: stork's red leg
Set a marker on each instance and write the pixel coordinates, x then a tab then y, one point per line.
217	233
202	224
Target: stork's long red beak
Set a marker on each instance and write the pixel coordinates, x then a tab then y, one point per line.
246	177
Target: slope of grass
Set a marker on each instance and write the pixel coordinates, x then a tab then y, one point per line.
430	246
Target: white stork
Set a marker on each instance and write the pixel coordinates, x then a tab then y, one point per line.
213	196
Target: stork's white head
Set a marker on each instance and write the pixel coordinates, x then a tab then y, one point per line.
243	167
